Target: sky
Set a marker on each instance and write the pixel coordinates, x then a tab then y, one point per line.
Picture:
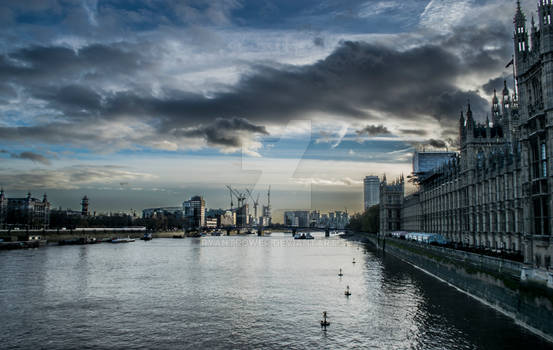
145	103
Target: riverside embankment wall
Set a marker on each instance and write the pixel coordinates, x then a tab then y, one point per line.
493	281
59	235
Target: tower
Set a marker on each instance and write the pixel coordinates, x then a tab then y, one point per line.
462	130
84	206
467	137
521	35
470	120
496	111
545	15
506	99
371	188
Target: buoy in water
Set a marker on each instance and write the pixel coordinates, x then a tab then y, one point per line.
340	274
324	322
347	292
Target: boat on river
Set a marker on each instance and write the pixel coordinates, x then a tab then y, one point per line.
146	237
78	241
303	236
122	240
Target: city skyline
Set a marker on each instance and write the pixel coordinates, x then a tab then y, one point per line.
153	102
213	174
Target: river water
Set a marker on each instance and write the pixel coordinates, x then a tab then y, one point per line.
237	292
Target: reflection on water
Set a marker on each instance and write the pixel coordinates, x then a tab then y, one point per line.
237	292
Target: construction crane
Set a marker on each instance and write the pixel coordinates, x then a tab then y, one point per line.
240	197
241	206
255	203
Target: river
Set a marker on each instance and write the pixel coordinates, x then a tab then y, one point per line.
237	292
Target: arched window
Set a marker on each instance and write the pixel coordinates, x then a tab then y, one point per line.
480	159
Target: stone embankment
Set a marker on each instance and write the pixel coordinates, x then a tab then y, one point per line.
520	292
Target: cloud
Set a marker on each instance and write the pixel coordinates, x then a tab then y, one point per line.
319	41
69	177
374	130
435	143
432	143
444	14
112	96
31	156
346	181
35	157
230	134
497	83
110	16
416	132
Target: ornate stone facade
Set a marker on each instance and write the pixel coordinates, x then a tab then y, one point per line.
391	203
26	212
496	192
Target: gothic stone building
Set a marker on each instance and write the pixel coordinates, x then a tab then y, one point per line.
496	192
25	212
391	203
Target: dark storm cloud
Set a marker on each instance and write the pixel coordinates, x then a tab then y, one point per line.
433	143
318	41
32	156
373	130
39	65
357	76
224	132
416	132
497	83
72	100
354	82
35	157
484	48
436	143
56	133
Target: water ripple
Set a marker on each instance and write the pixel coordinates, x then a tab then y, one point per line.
236	292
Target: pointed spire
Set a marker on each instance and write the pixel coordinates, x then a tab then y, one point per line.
470	121
519	19
462	119
487	121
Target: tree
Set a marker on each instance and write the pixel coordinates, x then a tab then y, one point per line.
369	221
